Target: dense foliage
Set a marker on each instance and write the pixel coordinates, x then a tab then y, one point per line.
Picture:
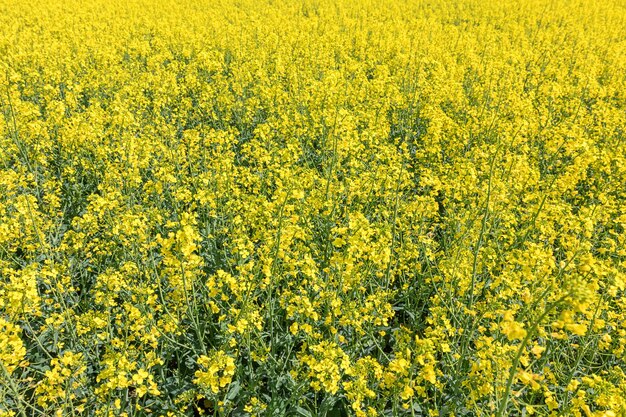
312	208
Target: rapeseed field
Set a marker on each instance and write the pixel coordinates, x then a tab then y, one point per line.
313	208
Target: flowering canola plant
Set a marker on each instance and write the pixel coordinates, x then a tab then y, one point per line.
312	208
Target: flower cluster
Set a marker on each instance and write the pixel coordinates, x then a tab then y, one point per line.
216	371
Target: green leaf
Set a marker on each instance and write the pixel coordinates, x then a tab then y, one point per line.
235	387
301	411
